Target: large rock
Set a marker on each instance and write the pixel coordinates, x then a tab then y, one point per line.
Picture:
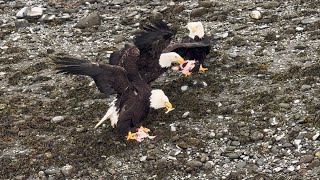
89	21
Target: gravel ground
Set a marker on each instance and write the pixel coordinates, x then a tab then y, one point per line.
254	115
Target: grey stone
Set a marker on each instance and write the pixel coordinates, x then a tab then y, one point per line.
260	162
22	12
284	105
111	171
287	145
52	170
47	17
184	88
306	159
241	164
256	136
197	12
117	2
305	87
310	20
20	23
186	114
315	163
66	170
235	143
233	155
194	164
57	119
89	21
119	38
208	165
34	12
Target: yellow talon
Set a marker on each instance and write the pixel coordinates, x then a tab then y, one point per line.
144	129
131	135
202	69
187	74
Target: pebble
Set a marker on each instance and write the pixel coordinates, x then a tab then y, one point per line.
233	155
184	88
204	158
117	2
89	21
284	105
111	171
310	20
306	159
298	28
57	119
260	162
20	23
277	169
305	87
208	165
66	170
315	163
255	14
52	170
186	114
197	12
256	136
143	158
287	145
274	121
35	12
174	152
315	137
241	164
235	143
291	168
47	17
194	163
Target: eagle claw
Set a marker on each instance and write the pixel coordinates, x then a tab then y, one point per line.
202	69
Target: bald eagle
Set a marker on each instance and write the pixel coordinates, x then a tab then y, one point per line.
151	41
195	46
134	98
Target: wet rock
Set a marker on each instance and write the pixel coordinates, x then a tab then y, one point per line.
198	12
310	20
255	15
306	159
184	88
52	170
57	119
241	164
178	9
117	2
186	114
256	136
194	164
20	23
29	12
233	155
66	170
208	165
89	21
314	164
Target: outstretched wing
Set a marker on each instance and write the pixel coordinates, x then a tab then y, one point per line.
151	41
106	77
188	43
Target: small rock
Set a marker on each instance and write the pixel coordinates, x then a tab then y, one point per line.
20	23
306	159
197	12
89	21
256	136
111	171
274	121
287	145
208	165
317	154
310	20
66	170
284	105
299	28
47	17
143	158
186	114
117	2
22	12
233	155
315	163
184	88
260	162
52	170
305	87
174	152
57	119
183	145
119	38
315	137
206	4
178	9
291	168
255	14
241	164
235	143
194	164
204	158
277	169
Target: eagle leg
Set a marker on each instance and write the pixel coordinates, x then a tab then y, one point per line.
202	69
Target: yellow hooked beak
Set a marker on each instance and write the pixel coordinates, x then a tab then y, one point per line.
180	60
168	105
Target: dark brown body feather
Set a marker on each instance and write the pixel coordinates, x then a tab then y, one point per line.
192	49
151	42
133	92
